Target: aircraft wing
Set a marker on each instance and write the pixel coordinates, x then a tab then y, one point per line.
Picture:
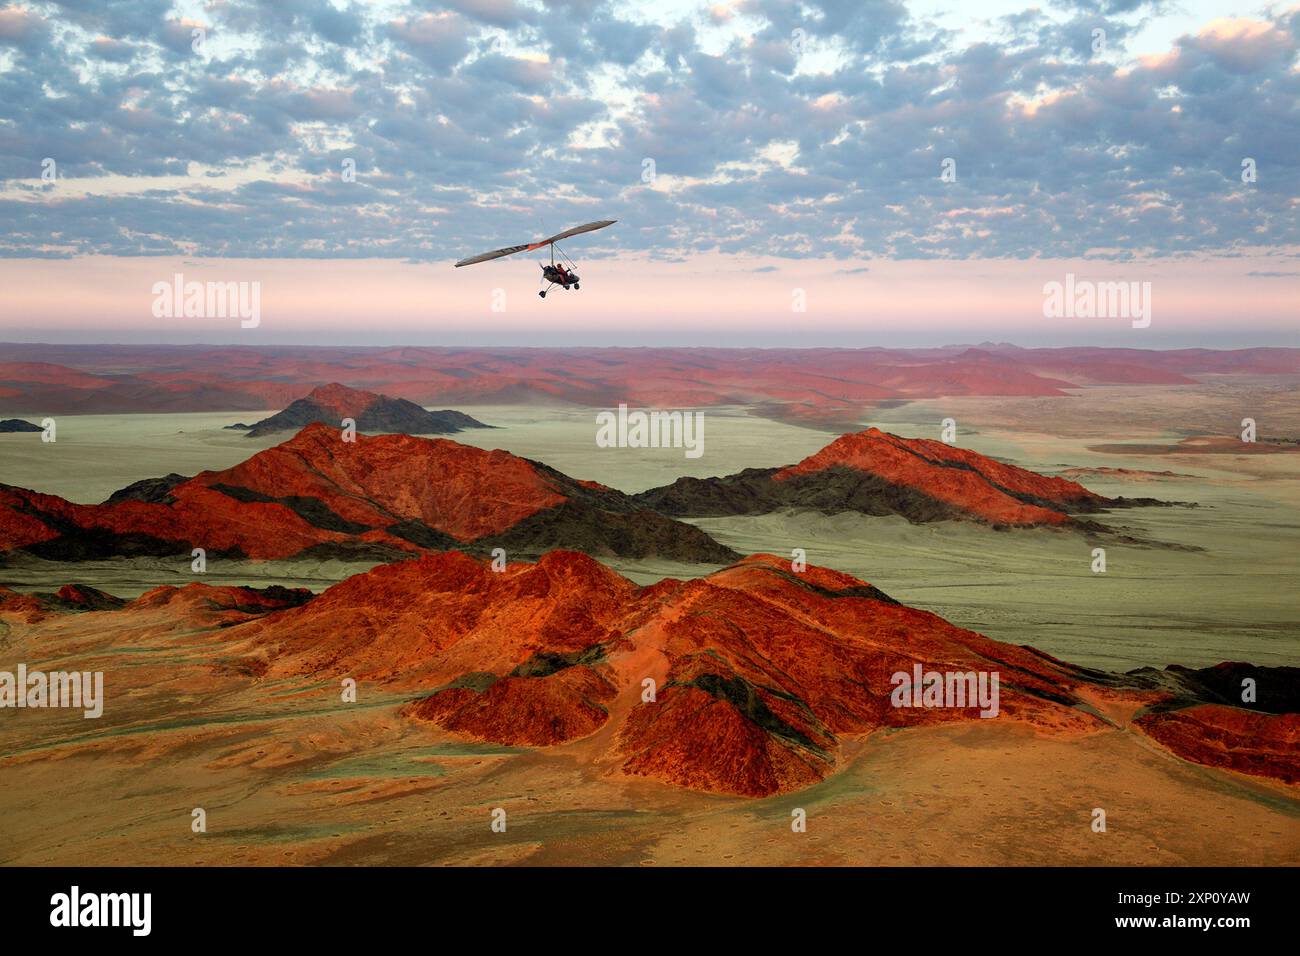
511	250
576	230
494	254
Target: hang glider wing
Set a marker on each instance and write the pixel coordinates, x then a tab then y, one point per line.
495	254
511	250
575	231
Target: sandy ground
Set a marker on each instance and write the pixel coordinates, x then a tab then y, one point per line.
289	775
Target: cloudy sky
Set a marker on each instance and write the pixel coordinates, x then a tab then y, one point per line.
757	154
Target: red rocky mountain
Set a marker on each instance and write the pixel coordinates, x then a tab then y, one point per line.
761	674
384	496
878	473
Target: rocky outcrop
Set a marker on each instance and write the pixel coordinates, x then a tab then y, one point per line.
9	425
760	673
876	473
381	497
373	413
752	681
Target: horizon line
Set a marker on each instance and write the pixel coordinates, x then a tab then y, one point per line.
659	347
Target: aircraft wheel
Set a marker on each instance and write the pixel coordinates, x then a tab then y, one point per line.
542	293
576	286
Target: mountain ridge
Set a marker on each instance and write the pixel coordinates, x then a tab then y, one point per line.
878	473
752	681
385	496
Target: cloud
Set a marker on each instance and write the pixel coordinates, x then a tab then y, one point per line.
468	121
22	28
438	40
1242	45
114	51
500	13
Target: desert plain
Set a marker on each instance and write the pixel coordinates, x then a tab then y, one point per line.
286	774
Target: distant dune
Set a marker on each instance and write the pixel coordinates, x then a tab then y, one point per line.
1203	445
821	387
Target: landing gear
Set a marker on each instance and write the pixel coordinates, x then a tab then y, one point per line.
553	275
576	286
